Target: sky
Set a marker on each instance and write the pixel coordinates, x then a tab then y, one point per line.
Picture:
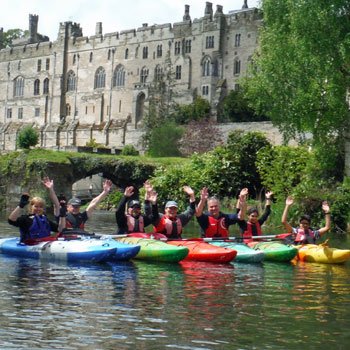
115	15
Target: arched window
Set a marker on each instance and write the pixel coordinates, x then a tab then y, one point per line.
119	76
159	50
145	52
46	86
158	73
68	109
126	54
100	78
144	75
18	87
71	81
206	67
36	87
237	67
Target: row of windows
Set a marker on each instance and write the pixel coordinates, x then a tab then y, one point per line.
20	112
18	87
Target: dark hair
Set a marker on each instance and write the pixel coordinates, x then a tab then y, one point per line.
252	210
306	218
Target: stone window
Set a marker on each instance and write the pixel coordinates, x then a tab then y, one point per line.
74	59
177	48
119	76
237	67
237	87
178	72
91	57
36	87
39	65
158	73
209	42
9	113
126	54
46	86
68	109
143	75
145	52
238	40
159	50
20	113
37	112
19	65
205	90
18	87
71	81
47	64
188	46
100	78
206	67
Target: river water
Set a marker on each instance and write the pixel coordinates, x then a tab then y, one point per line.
138	305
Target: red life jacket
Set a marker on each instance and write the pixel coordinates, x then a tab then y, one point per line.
75	221
301	238
132	222
248	233
166	226
216	227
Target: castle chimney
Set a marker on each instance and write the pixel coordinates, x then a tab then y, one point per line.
208	9
33	27
245	4
187	16
218	10
98	30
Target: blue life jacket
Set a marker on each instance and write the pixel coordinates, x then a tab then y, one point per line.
40	228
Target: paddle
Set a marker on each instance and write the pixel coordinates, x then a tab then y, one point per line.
209	239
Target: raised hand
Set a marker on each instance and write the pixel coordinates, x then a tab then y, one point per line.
204	194
325	207
129	191
243	194
47	182
152	197
107	185
24	200
289	200
268	195
188	190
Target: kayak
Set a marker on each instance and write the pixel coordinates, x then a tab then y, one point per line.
202	251
89	250
321	253
275	251
198	250
124	251
245	254
155	250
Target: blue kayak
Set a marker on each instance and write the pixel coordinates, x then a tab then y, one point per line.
88	250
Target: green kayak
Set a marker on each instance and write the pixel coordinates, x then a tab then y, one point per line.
155	250
245	254
275	251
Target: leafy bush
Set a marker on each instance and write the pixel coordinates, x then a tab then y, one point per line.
129	150
94	144
27	137
198	109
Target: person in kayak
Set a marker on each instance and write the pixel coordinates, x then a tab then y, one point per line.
75	219
215	223
134	220
304	234
252	226
171	222
34	227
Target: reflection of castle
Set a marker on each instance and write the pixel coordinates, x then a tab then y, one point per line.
80	88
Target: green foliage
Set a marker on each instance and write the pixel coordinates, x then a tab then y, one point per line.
129	150
164	140
94	144
27	137
234	108
198	109
11	35
301	73
111	201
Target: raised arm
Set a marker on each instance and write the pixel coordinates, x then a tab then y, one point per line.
107	185
56	204
241	205
202	201
327	212
188	190
287	226
18	210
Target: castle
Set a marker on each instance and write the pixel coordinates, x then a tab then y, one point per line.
79	88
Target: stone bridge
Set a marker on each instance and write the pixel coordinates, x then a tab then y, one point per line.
22	175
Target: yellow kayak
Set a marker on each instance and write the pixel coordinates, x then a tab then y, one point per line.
321	253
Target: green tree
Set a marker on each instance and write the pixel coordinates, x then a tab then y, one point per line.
10	35
197	110
27	137
301	72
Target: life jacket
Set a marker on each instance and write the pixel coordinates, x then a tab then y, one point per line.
171	228
216	227
135	224
302	238
75	221
39	229
249	232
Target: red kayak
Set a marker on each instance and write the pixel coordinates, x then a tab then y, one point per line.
198	251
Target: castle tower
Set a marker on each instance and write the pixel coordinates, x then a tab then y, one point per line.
98	30
187	16
245	4
208	9
33	27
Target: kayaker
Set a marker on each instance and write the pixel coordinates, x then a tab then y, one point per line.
134	220
75	219
252	226
34	227
215	223
304	234
171	223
